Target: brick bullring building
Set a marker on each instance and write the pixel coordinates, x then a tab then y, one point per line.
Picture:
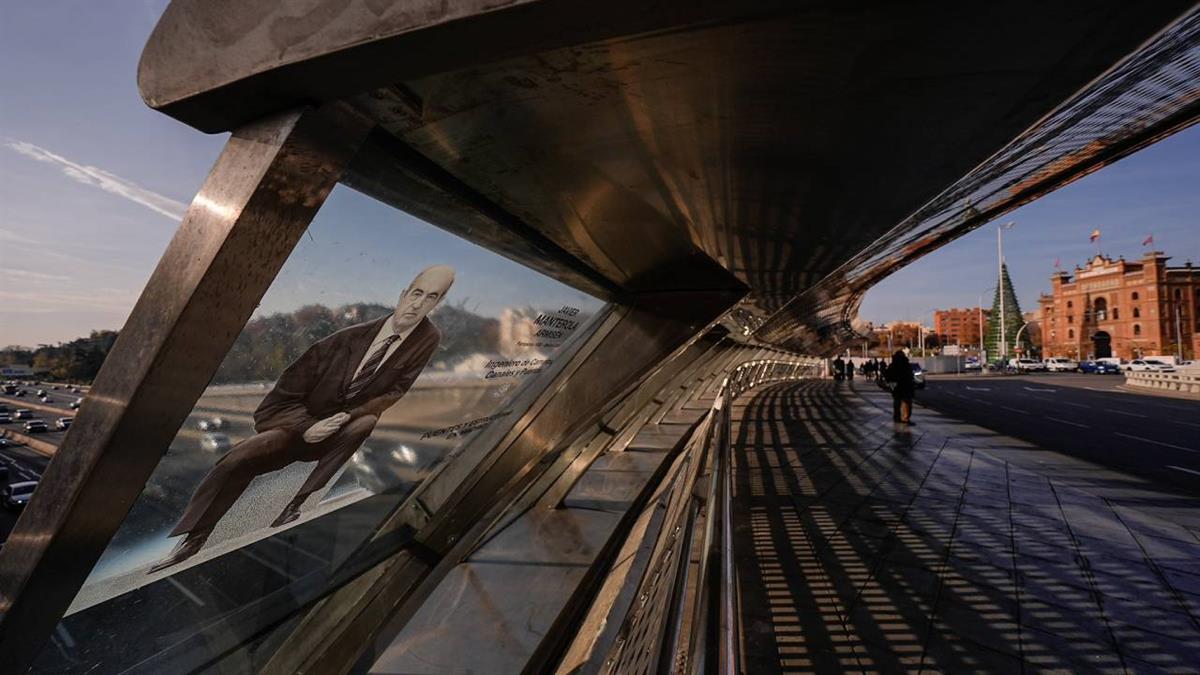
1123	309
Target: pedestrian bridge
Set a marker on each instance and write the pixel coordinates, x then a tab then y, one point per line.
629	458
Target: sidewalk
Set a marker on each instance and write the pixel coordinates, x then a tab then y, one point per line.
868	547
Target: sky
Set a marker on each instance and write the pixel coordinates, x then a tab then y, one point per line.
92	184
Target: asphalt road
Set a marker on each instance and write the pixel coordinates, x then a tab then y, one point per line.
23	464
1085	416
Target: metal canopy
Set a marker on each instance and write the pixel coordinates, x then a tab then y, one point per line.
626	149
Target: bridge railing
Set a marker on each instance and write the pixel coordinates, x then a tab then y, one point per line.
1184	381
677	612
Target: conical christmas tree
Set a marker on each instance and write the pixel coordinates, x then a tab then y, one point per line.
1012	320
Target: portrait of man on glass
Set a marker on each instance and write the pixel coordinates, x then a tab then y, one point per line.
321	409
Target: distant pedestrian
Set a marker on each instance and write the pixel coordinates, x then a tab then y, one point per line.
849	370
839	368
899	373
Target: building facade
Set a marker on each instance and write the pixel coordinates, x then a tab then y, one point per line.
1122	309
960	326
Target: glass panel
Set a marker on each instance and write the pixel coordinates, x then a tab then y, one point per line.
384	346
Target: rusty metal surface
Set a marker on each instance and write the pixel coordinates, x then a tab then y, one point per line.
256	203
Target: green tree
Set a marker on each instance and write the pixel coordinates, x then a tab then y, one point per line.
1012	320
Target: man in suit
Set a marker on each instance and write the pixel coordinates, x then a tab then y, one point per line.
322	408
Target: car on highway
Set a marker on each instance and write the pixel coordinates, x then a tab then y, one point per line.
74	405
36	427
40	393
20	393
1026	365
63	423
23	414
215	442
1099	368
1057	364
45	399
918	375
1150	365
212	424
16	495
972	364
5	418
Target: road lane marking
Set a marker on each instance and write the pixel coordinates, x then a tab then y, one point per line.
1186	424
1077	405
1040	389
1016	410
1122	412
1074	424
979	388
1180	468
1147	440
977	400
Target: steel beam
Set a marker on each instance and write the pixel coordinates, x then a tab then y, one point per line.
254	206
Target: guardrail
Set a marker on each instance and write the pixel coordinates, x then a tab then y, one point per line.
1186	381
683	616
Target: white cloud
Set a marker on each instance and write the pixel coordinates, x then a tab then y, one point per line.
97	177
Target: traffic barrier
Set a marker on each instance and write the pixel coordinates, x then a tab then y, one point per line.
33	443
1187	382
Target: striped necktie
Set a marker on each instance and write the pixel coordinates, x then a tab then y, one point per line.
367	373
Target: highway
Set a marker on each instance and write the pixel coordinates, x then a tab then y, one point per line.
1086	416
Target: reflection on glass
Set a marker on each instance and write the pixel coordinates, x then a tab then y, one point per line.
368	365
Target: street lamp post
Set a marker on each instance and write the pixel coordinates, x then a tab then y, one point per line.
982	356
1017	339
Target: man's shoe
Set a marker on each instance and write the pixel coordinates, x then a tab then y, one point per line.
185	549
290	512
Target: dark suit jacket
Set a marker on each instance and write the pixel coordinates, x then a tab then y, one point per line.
314	386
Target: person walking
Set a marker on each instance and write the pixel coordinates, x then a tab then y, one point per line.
839	368
899	374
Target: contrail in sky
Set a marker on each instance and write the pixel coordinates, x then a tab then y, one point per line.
111	183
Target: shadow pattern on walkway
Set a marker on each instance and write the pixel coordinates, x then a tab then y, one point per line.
864	546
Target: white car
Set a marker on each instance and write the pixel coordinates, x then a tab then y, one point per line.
215	443
1150	365
1027	365
1060	365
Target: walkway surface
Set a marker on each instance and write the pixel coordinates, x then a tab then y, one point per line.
865	546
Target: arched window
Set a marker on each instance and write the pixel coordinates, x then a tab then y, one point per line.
1137	314
1115	314
1070	304
1135	295
1137	329
1101	309
1071	334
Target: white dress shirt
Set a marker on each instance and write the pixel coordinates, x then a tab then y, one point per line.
385	331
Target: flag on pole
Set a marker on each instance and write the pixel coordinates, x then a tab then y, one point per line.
1057	263
1148	240
1095	235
